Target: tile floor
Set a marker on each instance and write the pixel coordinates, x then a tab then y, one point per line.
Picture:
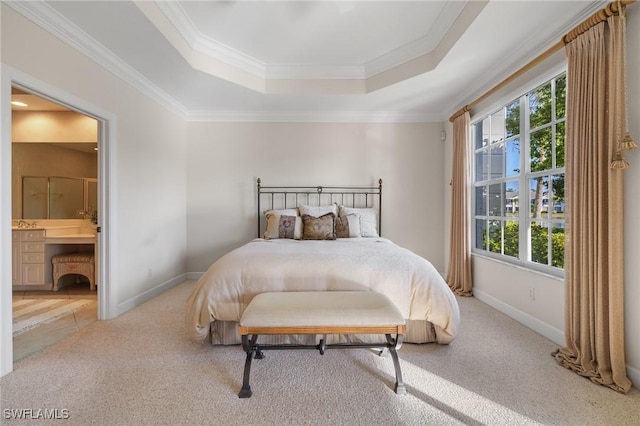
39	338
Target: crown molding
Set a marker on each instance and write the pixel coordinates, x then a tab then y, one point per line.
314	72
183	28
422	46
52	21
176	15
205	45
314	117
197	41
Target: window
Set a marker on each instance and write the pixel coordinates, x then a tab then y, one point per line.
518	203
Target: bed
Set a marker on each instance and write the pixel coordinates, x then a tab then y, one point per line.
321	239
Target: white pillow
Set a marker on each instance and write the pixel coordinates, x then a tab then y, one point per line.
348	226
368	220
280	224
317	211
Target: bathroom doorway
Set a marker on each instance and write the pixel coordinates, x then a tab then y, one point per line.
55	196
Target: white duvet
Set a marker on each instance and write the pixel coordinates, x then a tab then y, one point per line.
365	264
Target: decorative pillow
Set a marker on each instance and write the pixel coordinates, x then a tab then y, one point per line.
288	227
348	226
318	228
284	223
317	211
368	219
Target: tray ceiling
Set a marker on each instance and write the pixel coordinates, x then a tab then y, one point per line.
311	60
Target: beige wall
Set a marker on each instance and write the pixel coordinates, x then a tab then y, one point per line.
226	158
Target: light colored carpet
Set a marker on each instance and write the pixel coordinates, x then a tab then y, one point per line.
29	313
139	369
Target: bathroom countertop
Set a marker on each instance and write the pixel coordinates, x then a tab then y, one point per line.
72	239
63	234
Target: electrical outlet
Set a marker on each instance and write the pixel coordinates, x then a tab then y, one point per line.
532	294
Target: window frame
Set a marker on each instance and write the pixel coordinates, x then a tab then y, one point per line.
524	217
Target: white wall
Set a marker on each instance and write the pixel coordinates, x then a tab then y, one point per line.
226	158
6	332
148	168
507	287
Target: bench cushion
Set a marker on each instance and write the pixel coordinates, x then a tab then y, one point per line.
321	308
73	258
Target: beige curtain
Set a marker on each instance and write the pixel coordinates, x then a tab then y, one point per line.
596	139
459	272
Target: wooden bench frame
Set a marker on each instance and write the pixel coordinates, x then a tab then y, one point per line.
253	349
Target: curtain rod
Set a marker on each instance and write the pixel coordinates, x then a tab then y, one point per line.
611	9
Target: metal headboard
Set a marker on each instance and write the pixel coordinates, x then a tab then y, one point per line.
283	197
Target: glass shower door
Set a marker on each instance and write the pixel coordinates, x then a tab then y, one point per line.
66	198
35	197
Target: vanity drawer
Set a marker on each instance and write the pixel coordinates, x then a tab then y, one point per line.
32	247
34	235
33	258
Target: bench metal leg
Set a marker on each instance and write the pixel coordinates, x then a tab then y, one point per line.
393	344
254	350
250	348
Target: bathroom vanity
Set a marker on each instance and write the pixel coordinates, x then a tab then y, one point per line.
33	248
27	257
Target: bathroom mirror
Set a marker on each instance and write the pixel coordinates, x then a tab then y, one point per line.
52	197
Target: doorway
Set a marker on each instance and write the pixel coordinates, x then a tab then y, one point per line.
55	192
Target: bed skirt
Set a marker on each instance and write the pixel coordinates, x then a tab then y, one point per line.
226	333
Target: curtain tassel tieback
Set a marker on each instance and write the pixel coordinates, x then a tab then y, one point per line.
628	143
619	162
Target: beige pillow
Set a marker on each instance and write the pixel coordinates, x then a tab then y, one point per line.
317	211
348	226
279	224
368	219
318	228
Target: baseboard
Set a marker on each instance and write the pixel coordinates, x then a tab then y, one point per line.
194	275
525	319
634	376
149	294
45	287
540	327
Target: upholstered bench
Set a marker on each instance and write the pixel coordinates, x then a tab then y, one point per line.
320	313
73	263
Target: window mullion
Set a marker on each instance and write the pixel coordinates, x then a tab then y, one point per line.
523	216
553	124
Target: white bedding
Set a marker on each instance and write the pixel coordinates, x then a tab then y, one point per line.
374	264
